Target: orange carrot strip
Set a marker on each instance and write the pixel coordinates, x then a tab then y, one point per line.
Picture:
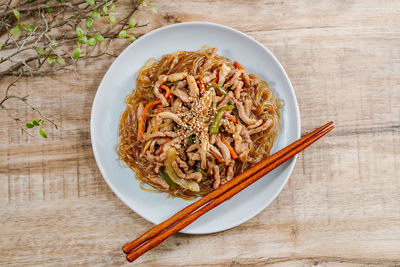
215	79
237	65
231	150
233	119
143	119
159	110
167	90
219	159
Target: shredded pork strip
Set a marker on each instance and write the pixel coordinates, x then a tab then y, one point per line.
229	172
238	89
181	94
217	177
182	164
225	100
158	134
172	116
177	76
193	157
224	70
233	82
210	77
193	89
224	150
246	79
242	113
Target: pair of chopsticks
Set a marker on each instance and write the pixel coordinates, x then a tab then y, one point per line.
186	216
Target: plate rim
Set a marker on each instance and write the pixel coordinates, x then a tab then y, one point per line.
291	162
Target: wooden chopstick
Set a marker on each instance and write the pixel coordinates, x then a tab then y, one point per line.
219	196
215	193
227	195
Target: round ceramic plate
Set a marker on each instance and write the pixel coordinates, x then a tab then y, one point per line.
120	80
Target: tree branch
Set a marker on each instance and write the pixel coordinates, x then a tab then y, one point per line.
51	40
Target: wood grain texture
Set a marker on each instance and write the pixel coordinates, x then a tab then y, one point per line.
341	206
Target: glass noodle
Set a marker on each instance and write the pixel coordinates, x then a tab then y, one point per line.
130	150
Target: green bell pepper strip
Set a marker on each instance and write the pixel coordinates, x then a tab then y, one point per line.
200	170
214	126
170	84
190	140
158	74
217	87
165	176
187	184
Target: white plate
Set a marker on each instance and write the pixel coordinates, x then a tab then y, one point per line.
120	80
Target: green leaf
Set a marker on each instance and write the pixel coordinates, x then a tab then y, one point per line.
77	53
50	59
91	42
132	23
1	46
112	19
60	61
153	8
105	10
42	132
15	31
108	3
53	43
98	37
122	34
49	10
112	8
29	28
132	38
29	125
79	32
35	122
40	51
95	14
89	23
17	14
90	2
83	40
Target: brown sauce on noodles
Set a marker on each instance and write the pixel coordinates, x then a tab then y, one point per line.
144	157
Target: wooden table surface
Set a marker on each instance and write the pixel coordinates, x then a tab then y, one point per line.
341	206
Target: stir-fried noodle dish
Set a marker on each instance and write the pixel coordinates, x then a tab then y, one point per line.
194	121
